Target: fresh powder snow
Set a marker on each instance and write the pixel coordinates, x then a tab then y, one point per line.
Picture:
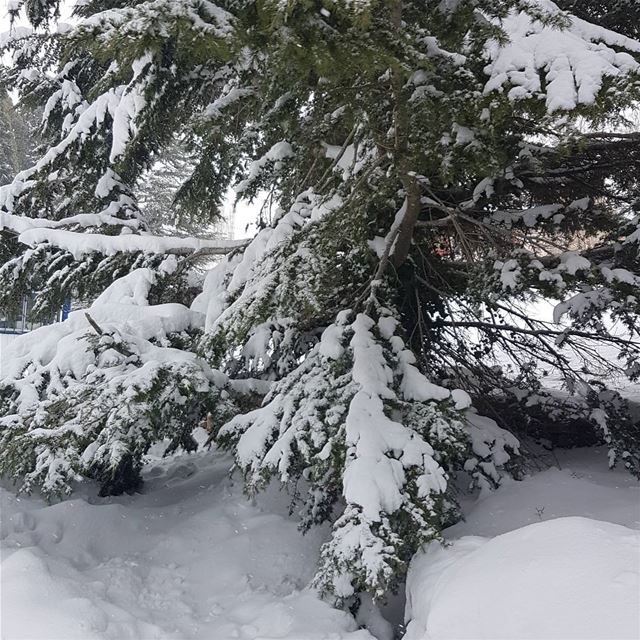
188	558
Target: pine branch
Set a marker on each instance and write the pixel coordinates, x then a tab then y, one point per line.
489	326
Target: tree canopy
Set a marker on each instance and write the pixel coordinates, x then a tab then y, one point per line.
426	171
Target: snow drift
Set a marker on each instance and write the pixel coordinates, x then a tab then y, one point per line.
560	579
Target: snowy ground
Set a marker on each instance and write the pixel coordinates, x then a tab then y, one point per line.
190	558
579	484
567	578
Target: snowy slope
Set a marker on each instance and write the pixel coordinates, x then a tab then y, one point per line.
189	558
579	483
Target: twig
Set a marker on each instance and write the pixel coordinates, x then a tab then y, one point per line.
94	325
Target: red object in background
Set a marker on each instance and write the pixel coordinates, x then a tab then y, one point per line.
441	250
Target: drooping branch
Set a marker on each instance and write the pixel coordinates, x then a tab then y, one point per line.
405	232
80	243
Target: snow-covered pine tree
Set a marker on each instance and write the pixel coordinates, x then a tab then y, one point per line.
427	170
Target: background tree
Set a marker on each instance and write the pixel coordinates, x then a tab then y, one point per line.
159	196
623	16
17	149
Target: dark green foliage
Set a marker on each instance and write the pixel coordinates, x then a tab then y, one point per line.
622	16
99	419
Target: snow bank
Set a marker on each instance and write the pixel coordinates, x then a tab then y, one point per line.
560	579
584	485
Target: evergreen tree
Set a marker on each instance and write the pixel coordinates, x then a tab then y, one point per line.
8	149
17	147
159	196
428	173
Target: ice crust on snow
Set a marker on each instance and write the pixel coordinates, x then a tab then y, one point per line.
555	580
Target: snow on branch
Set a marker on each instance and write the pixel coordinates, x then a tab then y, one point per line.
80	244
76	394
567	66
20	224
276	155
33	231
150	18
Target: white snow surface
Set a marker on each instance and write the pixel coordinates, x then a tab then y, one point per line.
131	289
556	556
566	67
80	244
5	340
60	340
188	558
33	231
564	578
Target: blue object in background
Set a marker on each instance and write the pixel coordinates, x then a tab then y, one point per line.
66	309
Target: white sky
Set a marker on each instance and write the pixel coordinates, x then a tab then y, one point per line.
244	216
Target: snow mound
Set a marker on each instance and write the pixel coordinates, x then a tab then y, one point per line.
560	579
61	339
